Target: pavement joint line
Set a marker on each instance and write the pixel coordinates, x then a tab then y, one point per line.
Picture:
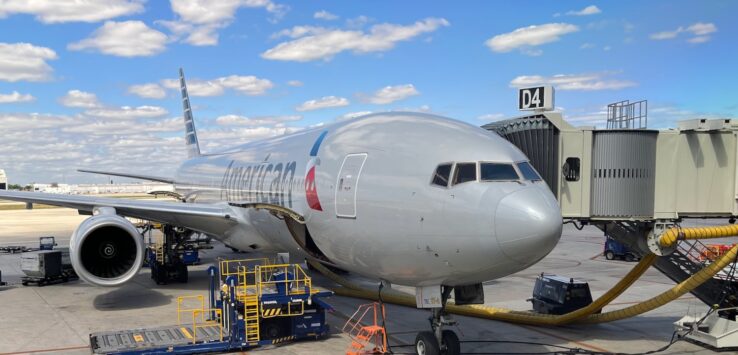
58	314
560	337
47	350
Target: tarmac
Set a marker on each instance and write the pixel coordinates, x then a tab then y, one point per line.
58	319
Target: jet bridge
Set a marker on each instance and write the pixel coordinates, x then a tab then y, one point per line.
634	183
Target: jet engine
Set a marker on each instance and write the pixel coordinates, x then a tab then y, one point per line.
106	249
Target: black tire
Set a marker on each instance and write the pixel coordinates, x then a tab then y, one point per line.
451	344
629	257
182	275
271	331
426	344
609	255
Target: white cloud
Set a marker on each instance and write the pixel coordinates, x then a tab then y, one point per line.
124	39
295	83
244	84
390	94
581	82
491	117
589	10
699	39
586	46
699	30
236	120
124	127
530	36
127	112
149	91
82	99
352	115
199	20
196	87
313	43
20	122
56	11
15	97
324	15
324	102
25	62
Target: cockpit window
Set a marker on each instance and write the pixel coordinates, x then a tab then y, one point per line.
528	172
465	172
441	175
497	172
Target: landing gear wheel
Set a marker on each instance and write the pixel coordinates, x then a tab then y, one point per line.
609	255
426	344
451	343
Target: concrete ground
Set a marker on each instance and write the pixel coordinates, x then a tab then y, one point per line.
59	318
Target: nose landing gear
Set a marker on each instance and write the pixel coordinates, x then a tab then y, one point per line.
439	341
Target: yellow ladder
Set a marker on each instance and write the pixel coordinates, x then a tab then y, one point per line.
251	317
159	251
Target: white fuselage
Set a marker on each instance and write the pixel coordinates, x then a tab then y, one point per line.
370	206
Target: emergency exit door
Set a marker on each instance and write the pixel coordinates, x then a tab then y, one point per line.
347	184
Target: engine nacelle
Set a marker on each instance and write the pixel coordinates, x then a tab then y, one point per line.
106	249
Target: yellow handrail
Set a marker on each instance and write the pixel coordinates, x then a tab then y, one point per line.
206	322
181	310
232	267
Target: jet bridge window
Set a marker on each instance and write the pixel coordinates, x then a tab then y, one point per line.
465	172
528	172
440	177
497	172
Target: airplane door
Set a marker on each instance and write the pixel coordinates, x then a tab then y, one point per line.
347	183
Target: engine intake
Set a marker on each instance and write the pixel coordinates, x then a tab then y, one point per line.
106	249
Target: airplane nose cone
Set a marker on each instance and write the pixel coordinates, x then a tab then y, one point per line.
528	224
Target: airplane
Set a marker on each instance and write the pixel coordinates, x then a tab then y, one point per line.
407	198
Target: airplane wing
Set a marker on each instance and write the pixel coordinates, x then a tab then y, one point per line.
133	176
213	219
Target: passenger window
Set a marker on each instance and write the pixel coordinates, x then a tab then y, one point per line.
528	172
465	172
441	175
497	172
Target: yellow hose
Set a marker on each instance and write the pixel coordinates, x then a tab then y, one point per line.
675	292
583	315
671	236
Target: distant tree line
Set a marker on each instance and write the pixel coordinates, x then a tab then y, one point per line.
19	187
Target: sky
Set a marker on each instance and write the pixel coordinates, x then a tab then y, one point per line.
92	83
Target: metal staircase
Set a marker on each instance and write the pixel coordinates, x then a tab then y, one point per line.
681	264
251	317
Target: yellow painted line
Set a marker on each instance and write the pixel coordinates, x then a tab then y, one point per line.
186	332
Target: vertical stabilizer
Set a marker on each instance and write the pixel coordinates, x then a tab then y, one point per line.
193	146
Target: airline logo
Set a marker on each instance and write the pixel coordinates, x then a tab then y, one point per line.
311	191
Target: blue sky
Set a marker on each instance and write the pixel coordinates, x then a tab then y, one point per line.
88	84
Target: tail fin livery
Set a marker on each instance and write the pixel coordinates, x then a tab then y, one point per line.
193	146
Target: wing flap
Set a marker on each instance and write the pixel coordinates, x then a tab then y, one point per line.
128	175
214	219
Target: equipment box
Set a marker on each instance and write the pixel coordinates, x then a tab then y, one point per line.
559	295
42	263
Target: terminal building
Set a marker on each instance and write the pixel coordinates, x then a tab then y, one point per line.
3	180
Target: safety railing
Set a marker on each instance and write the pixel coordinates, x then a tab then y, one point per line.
189	307
283	279
201	318
235	267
